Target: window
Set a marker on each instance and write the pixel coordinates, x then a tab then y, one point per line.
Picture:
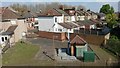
2	39
55	19
56	29
5	38
37	27
59	29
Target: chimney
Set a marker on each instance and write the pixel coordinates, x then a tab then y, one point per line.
76	15
61	7
88	10
28	11
73	8
81	9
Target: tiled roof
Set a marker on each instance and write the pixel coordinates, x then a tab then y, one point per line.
85	22
29	14
61	11
100	14
9	14
96	21
68	25
53	12
81	13
10	30
78	40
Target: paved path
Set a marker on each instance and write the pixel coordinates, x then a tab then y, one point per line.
41	53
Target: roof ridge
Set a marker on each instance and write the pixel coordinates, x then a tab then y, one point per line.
57	10
81	38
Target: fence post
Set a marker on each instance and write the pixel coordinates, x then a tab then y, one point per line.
97	33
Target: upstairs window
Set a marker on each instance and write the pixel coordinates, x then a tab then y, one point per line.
5	38
55	19
2	39
60	30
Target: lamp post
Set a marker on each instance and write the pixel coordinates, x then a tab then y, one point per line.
68	50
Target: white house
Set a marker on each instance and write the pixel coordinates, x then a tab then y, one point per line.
57	21
52	24
3	39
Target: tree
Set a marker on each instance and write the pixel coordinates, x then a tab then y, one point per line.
111	17
107	9
111	20
20	8
114	44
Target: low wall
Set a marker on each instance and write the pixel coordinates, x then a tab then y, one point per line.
52	35
90	39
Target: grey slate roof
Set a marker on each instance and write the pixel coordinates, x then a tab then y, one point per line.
100	14
29	14
10	30
68	25
85	22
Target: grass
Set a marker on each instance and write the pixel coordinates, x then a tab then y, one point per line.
21	53
110	53
104	55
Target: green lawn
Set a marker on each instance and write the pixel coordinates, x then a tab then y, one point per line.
102	53
21	53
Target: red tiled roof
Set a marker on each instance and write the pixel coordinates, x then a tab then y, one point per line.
52	12
78	40
9	14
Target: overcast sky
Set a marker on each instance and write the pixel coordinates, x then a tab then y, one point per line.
94	5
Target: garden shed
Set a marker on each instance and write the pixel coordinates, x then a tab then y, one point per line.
78	45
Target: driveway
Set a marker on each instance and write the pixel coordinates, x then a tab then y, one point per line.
47	49
47	42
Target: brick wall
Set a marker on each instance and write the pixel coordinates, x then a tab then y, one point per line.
90	39
50	35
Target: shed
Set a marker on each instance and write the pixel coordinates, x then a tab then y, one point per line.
78	46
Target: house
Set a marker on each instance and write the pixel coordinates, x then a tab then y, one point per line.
48	24
80	16
72	13
3	39
101	16
53	21
93	14
77	46
13	25
86	24
83	15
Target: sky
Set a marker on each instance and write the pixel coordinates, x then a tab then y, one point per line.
93	5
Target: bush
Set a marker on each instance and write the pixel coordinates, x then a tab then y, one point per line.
114	44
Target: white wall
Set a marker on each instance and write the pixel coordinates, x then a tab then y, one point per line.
72	18
59	19
92	26
81	18
46	24
21	28
13	21
3	42
57	27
